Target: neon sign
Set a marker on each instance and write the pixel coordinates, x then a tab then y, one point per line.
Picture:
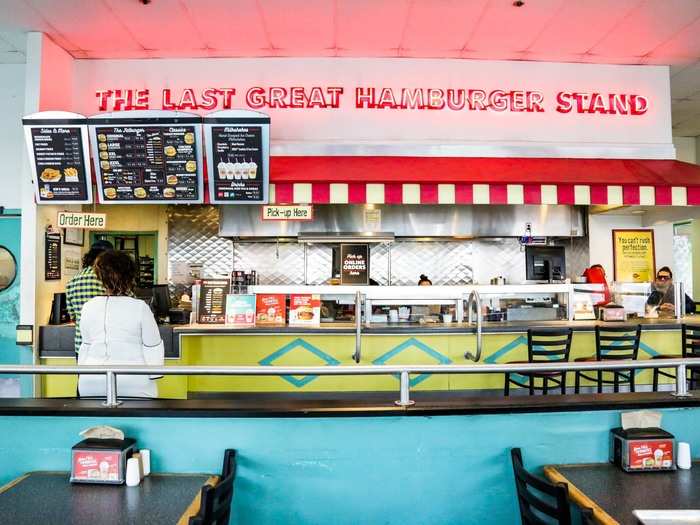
375	98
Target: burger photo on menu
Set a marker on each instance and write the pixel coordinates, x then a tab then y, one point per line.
305	310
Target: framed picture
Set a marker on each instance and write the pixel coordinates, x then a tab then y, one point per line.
74	236
633	255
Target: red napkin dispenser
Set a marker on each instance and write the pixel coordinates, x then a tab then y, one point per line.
101	460
642	449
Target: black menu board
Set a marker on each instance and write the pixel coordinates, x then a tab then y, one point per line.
58	149
212	301
52	256
147	159
237	156
354	264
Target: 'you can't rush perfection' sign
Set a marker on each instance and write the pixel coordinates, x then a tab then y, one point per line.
633	255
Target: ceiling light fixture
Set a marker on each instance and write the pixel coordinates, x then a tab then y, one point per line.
519	3
145	2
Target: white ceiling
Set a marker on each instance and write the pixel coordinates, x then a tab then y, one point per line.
601	31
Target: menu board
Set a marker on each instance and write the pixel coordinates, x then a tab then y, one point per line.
52	256
240	310
142	159
354	264
57	145
212	301
238	156
305	310
271	309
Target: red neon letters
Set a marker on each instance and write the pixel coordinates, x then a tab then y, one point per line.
377	98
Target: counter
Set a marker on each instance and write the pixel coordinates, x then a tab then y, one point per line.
334	345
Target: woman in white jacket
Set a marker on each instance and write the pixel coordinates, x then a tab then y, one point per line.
118	330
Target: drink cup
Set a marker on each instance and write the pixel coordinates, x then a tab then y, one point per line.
446	318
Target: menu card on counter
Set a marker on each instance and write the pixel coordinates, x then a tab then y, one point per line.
52	256
271	310
57	143
148	158
354	264
212	301
240	310
238	156
305	310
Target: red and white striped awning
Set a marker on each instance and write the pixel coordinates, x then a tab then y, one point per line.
448	180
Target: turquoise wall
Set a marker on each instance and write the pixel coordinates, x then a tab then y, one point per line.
348	470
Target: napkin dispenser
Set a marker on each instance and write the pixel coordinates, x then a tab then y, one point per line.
642	449
96	460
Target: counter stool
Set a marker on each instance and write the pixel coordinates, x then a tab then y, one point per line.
543	346
612	344
690	347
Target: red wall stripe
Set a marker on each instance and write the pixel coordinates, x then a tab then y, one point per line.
663	196
566	194
428	193
393	193
464	194
532	194
321	193
599	194
357	193
630	195
498	194
284	193
693	194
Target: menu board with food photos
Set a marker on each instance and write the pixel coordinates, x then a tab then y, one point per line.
57	143
146	158
212	301
237	156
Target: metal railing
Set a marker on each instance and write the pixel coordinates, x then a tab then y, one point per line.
404	371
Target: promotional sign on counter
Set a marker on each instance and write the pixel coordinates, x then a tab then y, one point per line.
52	256
238	153
148	156
354	264
240	310
271	310
212	301
305	310
59	155
633	256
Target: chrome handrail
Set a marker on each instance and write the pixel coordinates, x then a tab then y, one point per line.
404	371
358	327
475	300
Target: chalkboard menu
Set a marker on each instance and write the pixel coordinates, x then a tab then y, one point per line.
148	158
238	156
52	256
354	264
57	144
212	301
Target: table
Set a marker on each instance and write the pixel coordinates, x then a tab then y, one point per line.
50	498
614	494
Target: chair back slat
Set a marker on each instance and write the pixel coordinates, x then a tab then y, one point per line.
534	508
215	502
549	345
690	336
617	343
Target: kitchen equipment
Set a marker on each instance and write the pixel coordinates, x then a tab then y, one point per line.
499	281
642	449
95	460
59	309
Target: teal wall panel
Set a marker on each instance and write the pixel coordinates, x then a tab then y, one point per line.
348	470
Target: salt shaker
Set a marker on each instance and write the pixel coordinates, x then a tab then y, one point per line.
684	461
145	461
133	476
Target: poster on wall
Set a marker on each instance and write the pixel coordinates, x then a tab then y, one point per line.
633	256
238	153
59	155
148	156
354	264
52	256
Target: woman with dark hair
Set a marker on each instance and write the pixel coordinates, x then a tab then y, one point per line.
424	281
118	329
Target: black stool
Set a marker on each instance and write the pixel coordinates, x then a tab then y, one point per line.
690	347
544	346
619	343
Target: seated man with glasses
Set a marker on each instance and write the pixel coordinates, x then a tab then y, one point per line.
662	298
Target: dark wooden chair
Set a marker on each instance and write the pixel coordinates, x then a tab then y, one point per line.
690	347
541	502
617	343
215	502
587	517
543	346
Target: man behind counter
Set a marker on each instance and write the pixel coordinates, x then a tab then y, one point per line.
662	297
84	286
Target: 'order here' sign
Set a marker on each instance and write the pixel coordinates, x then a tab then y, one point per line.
88	221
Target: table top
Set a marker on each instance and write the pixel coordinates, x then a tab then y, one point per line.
50	498
614	494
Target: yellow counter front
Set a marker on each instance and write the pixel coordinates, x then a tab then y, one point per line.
502	342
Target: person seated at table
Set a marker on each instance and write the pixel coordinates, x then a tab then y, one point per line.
662	297
118	329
